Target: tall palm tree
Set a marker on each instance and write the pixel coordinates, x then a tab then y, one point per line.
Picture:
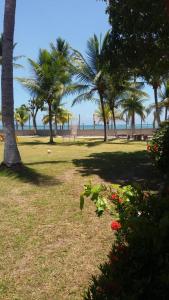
51	75
21	115
116	87
11	153
131	105
164	97
152	109
155	81
90	73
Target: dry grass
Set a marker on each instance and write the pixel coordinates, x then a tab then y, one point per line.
49	249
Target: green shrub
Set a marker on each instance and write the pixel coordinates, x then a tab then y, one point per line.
138	266
159	148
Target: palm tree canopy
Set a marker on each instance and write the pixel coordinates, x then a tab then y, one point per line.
62	116
133	103
108	113
164	95
21	115
50	75
90	71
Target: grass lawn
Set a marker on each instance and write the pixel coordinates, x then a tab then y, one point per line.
48	248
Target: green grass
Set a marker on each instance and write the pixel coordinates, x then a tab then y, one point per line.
48	248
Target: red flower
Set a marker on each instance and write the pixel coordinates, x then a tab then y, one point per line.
115	225
120	200
114	196
155	148
148	148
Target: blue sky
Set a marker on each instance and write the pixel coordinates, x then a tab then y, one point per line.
39	22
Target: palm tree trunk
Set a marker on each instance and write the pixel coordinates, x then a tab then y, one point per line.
11	153
141	123
114	119
133	122
166	113
34	121
50	123
104	118
155	87
113	114
56	125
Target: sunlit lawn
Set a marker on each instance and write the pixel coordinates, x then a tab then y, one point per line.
48	248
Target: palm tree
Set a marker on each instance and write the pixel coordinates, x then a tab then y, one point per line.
60	116
108	115
155	81
164	96
34	105
152	109
51	75
21	115
131	105
116	87
11	153
90	72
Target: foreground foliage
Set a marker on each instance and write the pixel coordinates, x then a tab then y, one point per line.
159	148
138	264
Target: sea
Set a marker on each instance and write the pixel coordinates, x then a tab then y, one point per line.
84	126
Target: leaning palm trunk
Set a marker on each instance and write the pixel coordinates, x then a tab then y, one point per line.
34	124
155	87
50	122
34	114
11	153
104	118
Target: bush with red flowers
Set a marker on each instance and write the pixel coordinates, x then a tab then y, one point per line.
138	264
159	148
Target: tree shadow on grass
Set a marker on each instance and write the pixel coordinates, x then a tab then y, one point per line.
46	162
36	143
29	175
121	168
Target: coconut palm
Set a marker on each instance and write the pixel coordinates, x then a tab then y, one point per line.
152	109
116	87
60	115
90	73
22	115
164	97
51	75
11	153
108	115
132	104
34	105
